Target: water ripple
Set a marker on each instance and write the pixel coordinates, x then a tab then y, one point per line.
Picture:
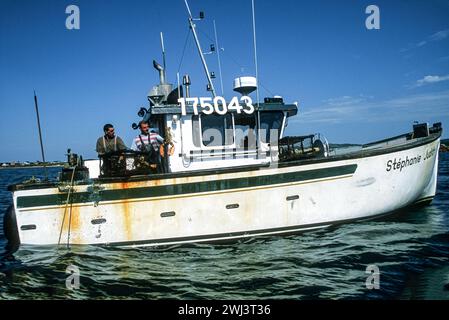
411	251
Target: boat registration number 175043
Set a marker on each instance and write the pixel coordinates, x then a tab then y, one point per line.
217	105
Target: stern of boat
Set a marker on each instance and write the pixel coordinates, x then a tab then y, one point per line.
10	229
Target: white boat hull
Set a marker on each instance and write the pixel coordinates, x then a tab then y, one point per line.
230	204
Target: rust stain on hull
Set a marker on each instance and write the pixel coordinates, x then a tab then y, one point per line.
72	228
142	184
126	212
127	217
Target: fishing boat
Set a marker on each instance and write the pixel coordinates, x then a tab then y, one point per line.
225	171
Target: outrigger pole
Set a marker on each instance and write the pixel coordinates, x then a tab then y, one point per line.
192	26
40	135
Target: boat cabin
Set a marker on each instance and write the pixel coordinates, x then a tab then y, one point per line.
206	141
203	141
208	132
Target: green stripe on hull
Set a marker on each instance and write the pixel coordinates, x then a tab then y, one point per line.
185	188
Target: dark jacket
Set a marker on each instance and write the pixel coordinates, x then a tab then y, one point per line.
105	145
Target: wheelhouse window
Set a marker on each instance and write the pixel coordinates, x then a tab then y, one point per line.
245	131
212	130
270	120
196	131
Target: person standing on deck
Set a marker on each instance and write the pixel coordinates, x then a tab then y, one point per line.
109	142
146	138
149	142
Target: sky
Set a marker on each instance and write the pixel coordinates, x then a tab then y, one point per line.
354	85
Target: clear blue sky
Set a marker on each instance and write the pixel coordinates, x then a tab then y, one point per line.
352	84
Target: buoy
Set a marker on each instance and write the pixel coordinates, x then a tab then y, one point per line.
171	150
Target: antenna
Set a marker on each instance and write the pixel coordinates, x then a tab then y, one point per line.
40	135
257	75
218	56
192	26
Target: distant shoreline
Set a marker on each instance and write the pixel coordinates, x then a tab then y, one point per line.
32	167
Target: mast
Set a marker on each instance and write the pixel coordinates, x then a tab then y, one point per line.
40	135
192	26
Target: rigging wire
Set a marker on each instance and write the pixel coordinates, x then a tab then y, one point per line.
184	50
225	52
218	57
228	55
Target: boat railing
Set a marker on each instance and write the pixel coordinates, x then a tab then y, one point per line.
400	139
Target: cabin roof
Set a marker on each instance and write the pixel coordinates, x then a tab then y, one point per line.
291	109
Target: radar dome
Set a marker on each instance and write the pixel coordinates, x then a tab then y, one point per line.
245	85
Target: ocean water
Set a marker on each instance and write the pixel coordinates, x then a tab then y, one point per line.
411	251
